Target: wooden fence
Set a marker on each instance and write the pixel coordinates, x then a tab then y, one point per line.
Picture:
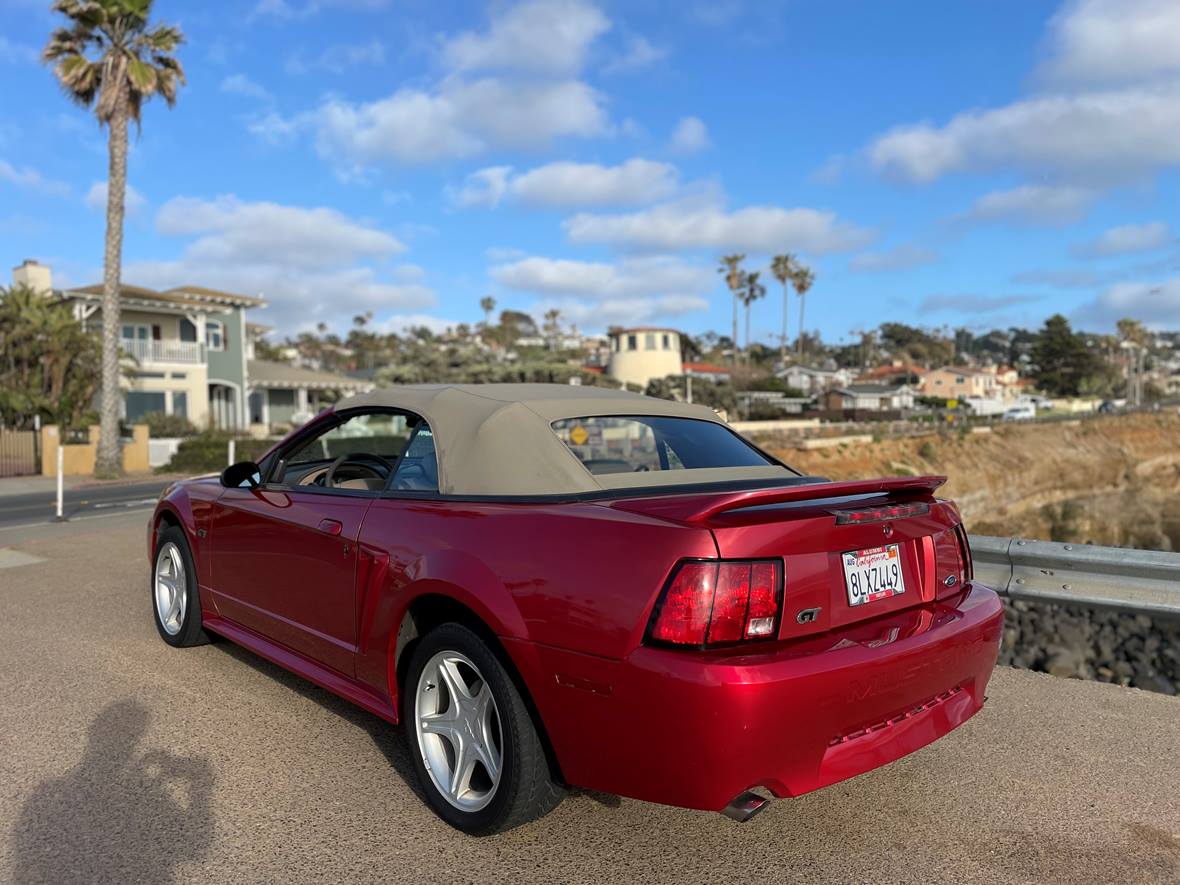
18	453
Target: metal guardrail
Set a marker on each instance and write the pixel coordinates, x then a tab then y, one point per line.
1135	581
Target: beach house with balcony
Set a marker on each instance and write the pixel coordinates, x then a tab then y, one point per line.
191	353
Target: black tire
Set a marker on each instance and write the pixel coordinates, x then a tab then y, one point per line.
526	789
190	632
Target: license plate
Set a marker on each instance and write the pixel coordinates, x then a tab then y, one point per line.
873	574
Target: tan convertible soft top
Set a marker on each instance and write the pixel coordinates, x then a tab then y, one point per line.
496	439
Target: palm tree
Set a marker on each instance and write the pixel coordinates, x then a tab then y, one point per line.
783	267
731	266
802	281
552	327
488	305
109	59
752	290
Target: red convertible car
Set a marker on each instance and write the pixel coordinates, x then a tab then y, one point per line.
554	586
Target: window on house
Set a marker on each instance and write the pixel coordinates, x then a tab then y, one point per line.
215	335
649	341
134	332
140	402
180	403
188	330
667	343
633	342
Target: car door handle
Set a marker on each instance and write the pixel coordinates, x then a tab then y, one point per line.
330	527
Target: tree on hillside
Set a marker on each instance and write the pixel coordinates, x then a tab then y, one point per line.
1061	360
783	268
552	328
108	58
488	305
731	267
802	279
752	290
915	345
49	364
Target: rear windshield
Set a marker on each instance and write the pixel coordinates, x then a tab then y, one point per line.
631	443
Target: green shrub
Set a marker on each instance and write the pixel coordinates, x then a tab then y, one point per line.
161	426
209	451
927	451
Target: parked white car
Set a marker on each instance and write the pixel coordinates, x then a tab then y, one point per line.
1022	412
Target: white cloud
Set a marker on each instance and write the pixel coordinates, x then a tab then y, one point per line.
1059	279
240	84
338	58
96	198
1108	136
30	178
1032	204
231	230
1113	41
898	258
546	36
312	264
634	182
652	275
639	53
1125	240
682	225
461	119
689	136
600	315
970	303
1155	304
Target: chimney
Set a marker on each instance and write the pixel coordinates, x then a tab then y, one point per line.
36	276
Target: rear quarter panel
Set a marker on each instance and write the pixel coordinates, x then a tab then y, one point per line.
577	576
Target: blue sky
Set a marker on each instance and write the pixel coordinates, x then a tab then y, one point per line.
943	164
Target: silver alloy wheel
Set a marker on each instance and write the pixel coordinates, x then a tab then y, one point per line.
457	725
171	588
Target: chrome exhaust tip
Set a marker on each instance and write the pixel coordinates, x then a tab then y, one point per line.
745	806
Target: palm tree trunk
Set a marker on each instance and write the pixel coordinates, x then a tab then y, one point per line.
802	301
735	328
747	335
109	458
782	346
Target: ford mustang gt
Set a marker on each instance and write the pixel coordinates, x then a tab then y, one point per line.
553	586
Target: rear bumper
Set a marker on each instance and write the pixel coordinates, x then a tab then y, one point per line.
695	729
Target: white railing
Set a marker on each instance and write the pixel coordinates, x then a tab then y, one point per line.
192	352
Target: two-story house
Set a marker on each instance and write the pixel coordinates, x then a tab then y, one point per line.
961	382
190	349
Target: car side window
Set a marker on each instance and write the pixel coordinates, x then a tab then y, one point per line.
358	454
418	470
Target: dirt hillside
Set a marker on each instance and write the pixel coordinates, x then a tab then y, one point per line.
1105	480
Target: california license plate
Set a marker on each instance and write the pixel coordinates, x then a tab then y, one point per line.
873	574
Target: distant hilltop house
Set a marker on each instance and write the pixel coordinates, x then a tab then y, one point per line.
969	382
193	355
641	354
870	398
813	380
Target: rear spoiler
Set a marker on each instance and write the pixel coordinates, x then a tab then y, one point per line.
701	507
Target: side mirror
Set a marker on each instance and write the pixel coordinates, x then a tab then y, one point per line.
243	475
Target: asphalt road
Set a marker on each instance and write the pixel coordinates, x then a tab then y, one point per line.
124	760
34	507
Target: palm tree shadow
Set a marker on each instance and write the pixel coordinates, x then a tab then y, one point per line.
118	815
386	737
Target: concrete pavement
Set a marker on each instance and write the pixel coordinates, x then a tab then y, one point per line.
124	760
32	500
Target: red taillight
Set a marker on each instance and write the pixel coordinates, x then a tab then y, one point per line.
715	603
879	514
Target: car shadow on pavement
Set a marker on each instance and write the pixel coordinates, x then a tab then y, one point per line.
119	815
388	738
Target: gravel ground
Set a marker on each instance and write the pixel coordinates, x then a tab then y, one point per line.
124	760
1085	643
